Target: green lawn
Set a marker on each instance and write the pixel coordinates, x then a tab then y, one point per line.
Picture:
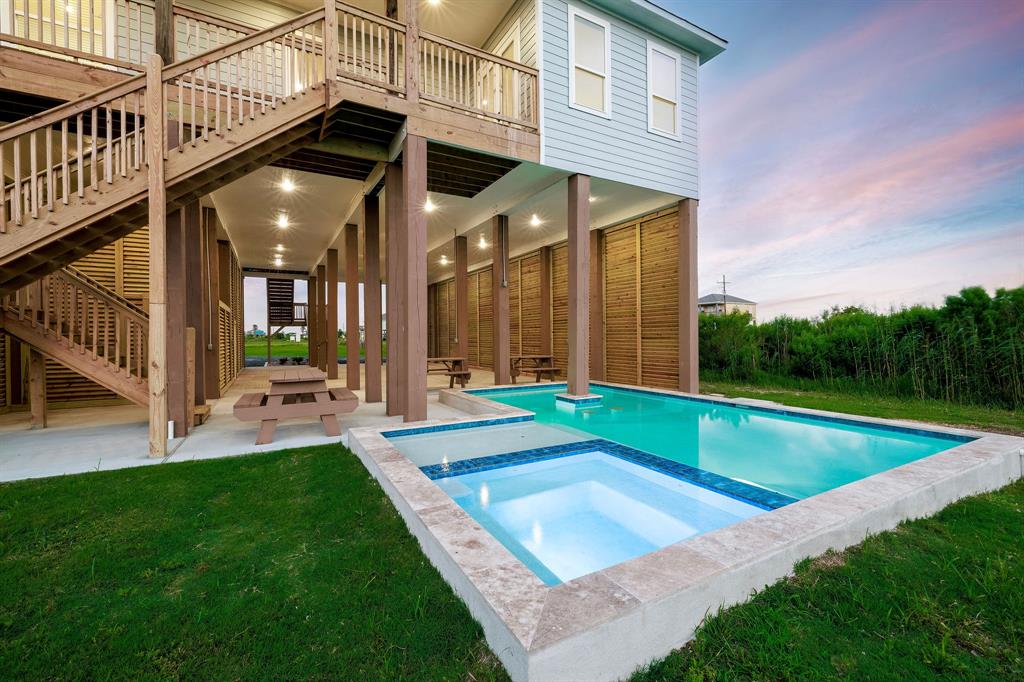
257	348
295	565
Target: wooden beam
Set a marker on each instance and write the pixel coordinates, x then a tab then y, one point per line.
462	297
195	297
313	321
578	224
412	53
412	297
597	370
352	307
175	307
163	29
689	380
37	388
371	296
212	261
322	321
499	300
356	149
545	301
330	46
394	226
157	377
332	314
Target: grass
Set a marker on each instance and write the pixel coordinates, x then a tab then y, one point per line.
295	565
257	348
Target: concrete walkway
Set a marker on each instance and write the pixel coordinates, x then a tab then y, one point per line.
78	440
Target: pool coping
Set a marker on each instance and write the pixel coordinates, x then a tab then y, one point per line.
604	625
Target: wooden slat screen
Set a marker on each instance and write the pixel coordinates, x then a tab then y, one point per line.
486	319
515	307
473	345
620	304
560	307
659	296
3	370
530	304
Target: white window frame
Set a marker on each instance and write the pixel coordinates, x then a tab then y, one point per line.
607	75
653	47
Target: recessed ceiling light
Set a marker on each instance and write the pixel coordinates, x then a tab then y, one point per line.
287	185
534	220
280	247
444	260
591	199
429	206
282	220
483	242
277	262
434	3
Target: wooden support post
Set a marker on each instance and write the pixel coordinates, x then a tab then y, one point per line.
462	297
597	305
579	285
394	226
371	296
352	339
412	52
689	380
37	388
163	29
332	314
545	301
14	372
313	321
212	313
175	307
413	260
499	300
157	377
270	330
195	298
321	316
330	45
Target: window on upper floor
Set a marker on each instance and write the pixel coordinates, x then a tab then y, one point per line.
662	90
590	58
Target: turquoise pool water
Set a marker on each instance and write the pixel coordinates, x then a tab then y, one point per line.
574	515
796	456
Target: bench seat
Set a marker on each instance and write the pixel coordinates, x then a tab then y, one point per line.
539	372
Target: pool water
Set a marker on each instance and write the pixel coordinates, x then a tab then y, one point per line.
574	515
792	455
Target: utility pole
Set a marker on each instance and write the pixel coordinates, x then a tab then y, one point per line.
725	305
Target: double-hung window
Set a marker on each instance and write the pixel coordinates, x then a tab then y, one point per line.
662	90
590	59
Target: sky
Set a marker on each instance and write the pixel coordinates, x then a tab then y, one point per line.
856	153
860	153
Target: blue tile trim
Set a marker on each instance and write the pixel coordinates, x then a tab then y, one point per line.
519	389
456	426
579	402
744	492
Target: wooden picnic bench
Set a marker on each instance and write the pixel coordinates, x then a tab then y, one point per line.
540	366
453	367
295	393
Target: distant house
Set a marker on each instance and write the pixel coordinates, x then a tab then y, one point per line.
722	304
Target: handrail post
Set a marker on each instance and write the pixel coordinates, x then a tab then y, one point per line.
155	123
412	52
330	45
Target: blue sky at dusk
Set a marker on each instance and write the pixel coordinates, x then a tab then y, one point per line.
861	153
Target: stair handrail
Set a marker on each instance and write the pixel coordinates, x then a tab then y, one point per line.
97	288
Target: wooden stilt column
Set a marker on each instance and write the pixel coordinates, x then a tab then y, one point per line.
156	372
462	297
195	299
352	307
371	296
332	313
597	305
394	226
312	323
321	317
579	285
413	294
212	278
176	322
163	29
688	375
37	388
545	300
499	299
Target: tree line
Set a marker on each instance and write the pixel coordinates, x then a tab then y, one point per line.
969	350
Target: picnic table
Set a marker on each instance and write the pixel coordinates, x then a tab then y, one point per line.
454	368
300	392
538	365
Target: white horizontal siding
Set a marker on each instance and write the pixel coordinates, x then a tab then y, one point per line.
619	148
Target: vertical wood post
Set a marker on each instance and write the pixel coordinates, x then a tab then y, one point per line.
371	296
157	378
175	320
394	226
195	298
499	300
462	297
688	375
332	313
163	29
330	45
37	388
412	52
212	263
352	307
597	370
579	285
413	261
312	321
545	301
270	342
321	316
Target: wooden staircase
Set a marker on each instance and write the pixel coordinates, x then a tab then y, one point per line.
76	321
83	172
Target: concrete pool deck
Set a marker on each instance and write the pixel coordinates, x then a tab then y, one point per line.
604	625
